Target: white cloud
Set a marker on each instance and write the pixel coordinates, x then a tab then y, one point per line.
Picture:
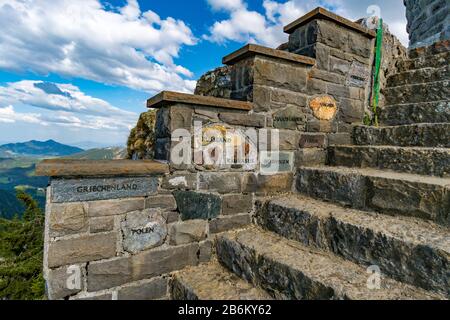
82	39
62	105
226	4
9	115
244	25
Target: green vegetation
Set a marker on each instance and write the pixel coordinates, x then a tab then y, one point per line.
21	251
100	154
9	163
19	174
10	206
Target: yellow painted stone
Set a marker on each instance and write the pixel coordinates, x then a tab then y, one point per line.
323	107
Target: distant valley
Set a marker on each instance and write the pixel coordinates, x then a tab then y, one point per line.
18	162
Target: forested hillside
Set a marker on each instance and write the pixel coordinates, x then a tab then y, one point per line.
21	250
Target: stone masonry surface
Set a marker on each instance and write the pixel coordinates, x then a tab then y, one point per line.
335	202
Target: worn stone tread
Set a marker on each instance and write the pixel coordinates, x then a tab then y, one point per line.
416	160
435	61
389	192
417	76
371	172
407	249
418	92
418	135
211	281
412	113
290	270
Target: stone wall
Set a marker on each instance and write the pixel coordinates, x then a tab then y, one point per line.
428	21
223	181
344	58
120	235
124	228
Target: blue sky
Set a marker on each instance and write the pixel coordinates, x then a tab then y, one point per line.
77	71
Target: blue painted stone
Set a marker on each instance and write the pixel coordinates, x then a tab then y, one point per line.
72	190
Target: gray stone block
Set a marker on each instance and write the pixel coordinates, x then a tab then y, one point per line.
267	184
181	181
149	264
109	274
155	288
72	190
82	249
196	205
237	203
69	218
289	118
222	224
243	119
188	231
114	207
163	202
101	224
312	140
220	182
64	282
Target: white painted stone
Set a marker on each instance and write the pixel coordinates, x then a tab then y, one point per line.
143	230
178	181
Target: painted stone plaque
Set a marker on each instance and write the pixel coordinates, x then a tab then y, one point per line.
143	230
272	162
72	190
289	118
358	75
219	146
323	107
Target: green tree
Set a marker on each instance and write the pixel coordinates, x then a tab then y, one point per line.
21	252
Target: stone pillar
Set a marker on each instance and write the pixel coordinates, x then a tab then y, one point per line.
344	56
428	21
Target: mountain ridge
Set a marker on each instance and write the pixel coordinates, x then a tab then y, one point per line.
37	149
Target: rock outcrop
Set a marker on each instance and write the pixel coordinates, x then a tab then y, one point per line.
141	142
215	83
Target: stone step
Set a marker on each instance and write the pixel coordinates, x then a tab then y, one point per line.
418	160
418	76
427	52
411	135
289	270
434	61
422	92
424	112
407	249
212	281
387	192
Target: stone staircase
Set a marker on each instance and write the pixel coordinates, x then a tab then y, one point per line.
384	201
420	92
